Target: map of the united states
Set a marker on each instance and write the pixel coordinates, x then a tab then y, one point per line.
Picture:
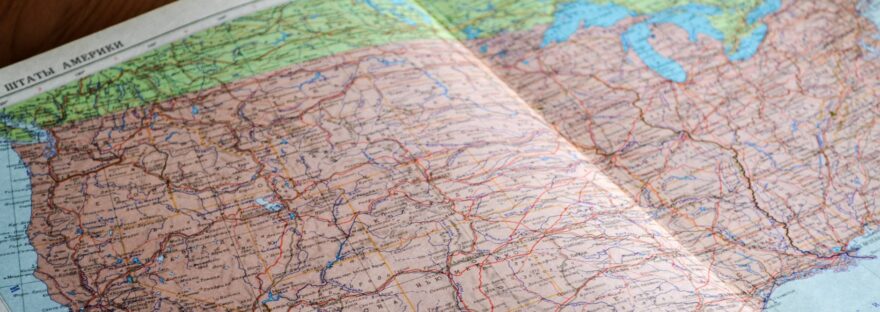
455	155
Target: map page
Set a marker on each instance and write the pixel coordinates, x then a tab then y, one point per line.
392	155
744	128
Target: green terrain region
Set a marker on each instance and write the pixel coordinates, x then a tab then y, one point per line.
482	19
241	48
295	33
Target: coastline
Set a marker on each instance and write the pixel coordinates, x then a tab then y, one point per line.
20	290
849	287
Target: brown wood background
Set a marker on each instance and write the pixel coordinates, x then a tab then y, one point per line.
29	27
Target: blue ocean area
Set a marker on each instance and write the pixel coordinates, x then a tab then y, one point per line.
693	18
855	289
19	288
871	10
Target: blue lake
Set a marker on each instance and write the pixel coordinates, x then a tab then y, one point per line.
569	16
19	288
693	18
268	204
855	289
636	38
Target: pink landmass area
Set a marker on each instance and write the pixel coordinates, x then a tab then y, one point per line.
763	168
401	177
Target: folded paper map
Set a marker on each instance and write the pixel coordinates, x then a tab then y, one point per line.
421	155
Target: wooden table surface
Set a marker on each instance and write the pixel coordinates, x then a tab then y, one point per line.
29	27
